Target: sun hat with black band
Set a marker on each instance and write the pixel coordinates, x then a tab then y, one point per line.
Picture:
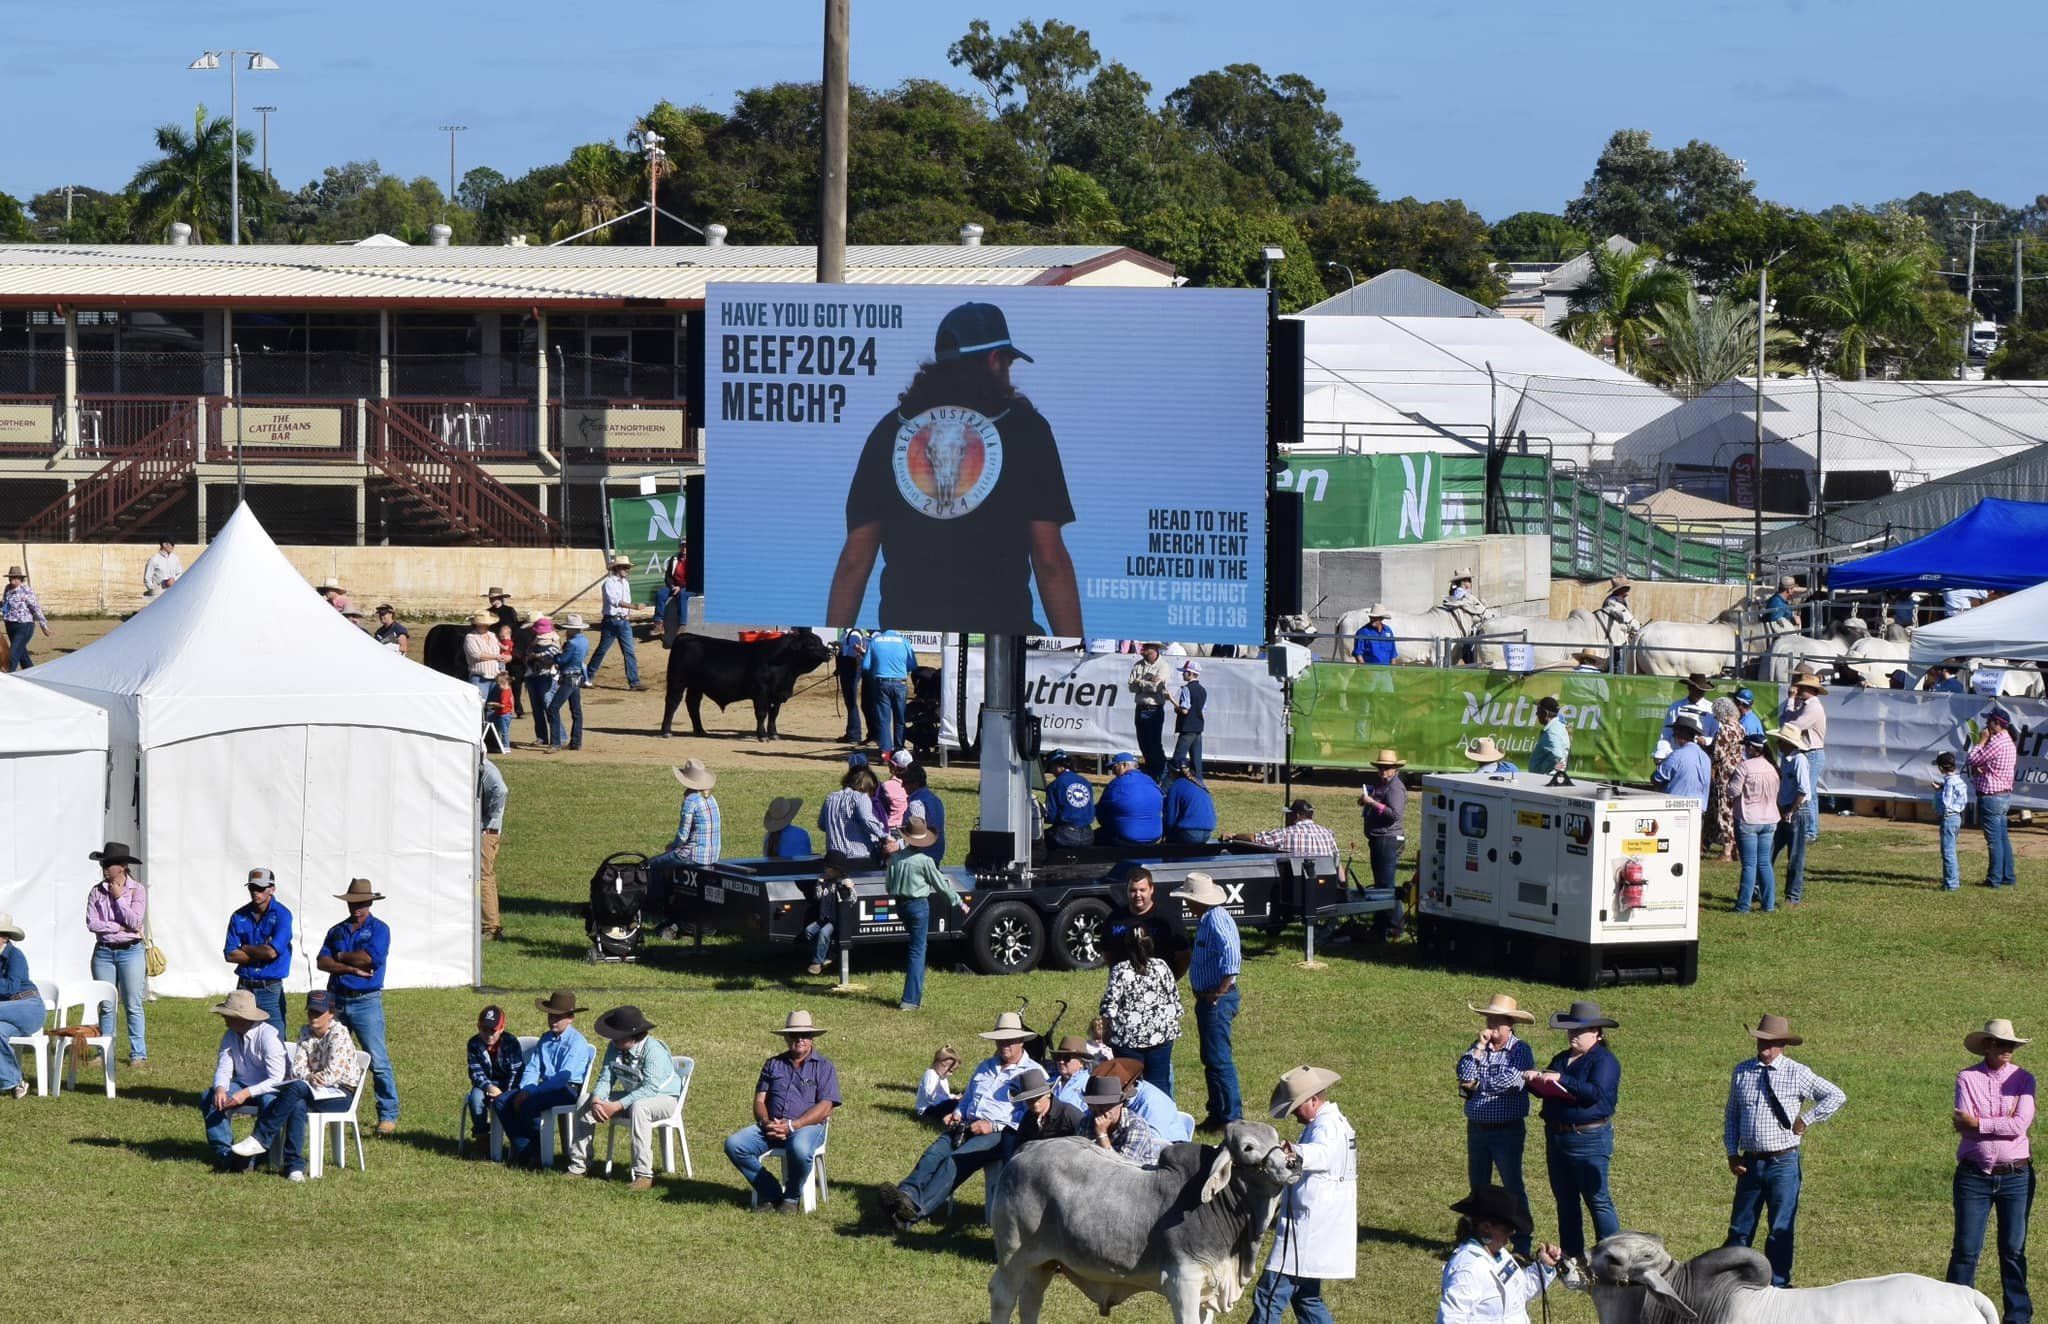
1030	1084
918	833
9	929
1998	1031
1009	1029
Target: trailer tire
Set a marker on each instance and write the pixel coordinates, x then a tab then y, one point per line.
1080	935
1006	939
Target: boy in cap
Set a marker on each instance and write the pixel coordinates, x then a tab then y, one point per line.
1951	798
259	946
320	1077
1315	1236
639	1078
251	1064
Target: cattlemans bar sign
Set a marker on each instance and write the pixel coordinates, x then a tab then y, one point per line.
309	429
626	429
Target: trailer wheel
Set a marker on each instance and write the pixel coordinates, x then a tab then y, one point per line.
1006	939
1080	935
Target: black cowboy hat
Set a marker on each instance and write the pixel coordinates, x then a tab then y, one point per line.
560	1003
622	1023
1583	1016
1492	1204
1104	1091
114	852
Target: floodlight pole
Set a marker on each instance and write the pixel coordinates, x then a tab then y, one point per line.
1756	447
241	473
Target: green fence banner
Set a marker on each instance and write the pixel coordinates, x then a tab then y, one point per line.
647	528
1344	715
1367	500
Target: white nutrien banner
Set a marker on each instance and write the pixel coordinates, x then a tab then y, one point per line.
1882	743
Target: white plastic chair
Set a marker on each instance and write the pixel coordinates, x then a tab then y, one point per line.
560	1116
39	1044
317	1125
88	996
526	1043
814	1189
669	1128
1187	1123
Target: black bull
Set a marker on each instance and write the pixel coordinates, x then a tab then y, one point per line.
726	671
442	651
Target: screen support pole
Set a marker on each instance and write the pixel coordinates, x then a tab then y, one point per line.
1005	785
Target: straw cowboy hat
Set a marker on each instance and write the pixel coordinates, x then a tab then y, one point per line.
625	1022
1583	1016
1388	758
494	592
1500	1004
1619	585
1030	1084
618	562
1298	1087
1807	680
114	852
694	775
573	621
483	618
1009	1029
1201	889
359	891
782	811
329	586
1492	1204
240	1005
1462	572
1377	612
1791	735
798	1025
9	929
1105	1092
1588	657
1483	750
1999	1031
1775	1030
561	1002
918	833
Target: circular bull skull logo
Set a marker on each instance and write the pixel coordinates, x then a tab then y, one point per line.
947	460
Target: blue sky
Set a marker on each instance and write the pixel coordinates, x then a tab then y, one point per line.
1502	104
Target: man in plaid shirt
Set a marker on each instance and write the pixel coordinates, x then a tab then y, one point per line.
1761	1130
1491	1075
1301	836
1991	762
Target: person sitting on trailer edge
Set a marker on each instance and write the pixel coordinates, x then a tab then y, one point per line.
1300	835
1130	810
1069	804
832	887
783	839
1189	812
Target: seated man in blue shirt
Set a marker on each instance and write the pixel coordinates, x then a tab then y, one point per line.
977	1132
1687	770
1374	645
793	1101
552	1077
781	838
1147	1100
1188	812
259	946
1130	812
1069	804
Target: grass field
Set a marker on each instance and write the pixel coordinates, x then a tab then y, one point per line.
115	1214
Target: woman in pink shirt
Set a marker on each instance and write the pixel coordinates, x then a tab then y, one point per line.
891	799
1753	791
117	913
1994	1163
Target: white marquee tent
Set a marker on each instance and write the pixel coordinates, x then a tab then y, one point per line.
2014	628
53	782
249	724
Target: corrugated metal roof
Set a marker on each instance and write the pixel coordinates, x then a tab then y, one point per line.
273	273
1399	293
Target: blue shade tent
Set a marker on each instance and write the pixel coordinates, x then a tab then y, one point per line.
1995	544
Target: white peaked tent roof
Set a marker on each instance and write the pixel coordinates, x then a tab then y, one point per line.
34	720
241	641
2014	628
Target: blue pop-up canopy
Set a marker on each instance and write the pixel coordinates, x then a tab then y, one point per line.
1995	544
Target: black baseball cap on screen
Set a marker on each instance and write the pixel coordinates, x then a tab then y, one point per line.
974	328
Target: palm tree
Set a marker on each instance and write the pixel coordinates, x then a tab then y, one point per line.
598	179
1619	299
1702	342
189	182
1868	300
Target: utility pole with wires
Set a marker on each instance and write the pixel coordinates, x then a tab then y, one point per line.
656	157
1975	223
833	112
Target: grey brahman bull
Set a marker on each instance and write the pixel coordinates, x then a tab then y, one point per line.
1188	1229
1635	1281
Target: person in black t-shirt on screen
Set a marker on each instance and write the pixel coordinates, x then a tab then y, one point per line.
961	491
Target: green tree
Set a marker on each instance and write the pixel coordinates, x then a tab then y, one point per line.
189	181
479	184
87	216
1538	236
1276	134
1445	241
1868	301
1220	246
597	184
1034	77
14	226
1618	305
1698	343
1630	193
1706	180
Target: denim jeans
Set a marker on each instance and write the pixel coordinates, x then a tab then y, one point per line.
945	1164
270	997
850	699
1791	838
478	1105
284	1111
620	630
1156	1063
1188	836
488	687
1951	868
539	691
1759	883
917	918
1151	723
1188	745
1578	1174
522	1120
885	718
1773	1182
568	692
220	1136
24	1016
1499	1149
2012	1194
1816	763
1991	813
125	970
363	1013
19	635
1277	1290
744	1148
1219	1069
820	933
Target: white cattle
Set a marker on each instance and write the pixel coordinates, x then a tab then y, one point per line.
1635	1281
1554	641
1796	652
1679	648
1415	636
1876	659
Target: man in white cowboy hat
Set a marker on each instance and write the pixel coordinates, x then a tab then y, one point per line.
1374	645
354	956
1115	1127
1151	687
1493	1075
781	838
1994	1162
1803	710
793	1101
1795	796
615	623
1461	597
1489	759
21	1005
640	1079
336	595
1762	1129
1697	703
1589	659
1315	1236
1217	959
259	945
1613	614
552	1076
569	681
251	1064
977	1132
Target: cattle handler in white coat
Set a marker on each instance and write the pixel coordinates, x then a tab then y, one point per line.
1316	1234
1483	1282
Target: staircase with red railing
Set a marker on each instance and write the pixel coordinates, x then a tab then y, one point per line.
446	487
139	483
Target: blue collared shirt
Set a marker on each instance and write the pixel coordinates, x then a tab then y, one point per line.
934	816
1070	801
889	657
1495	1075
374	937
14	977
792	843
1071	1089
273	930
1130	808
1688	771
1188	807
1156	1106
1218	952
988	1093
793	1089
558	1060
1954	794
1374	647
1594	1083
630	1075
1752	725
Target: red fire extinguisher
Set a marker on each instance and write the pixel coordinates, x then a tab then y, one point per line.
1631	881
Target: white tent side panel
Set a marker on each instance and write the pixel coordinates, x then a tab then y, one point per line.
54	813
318	805
2012	629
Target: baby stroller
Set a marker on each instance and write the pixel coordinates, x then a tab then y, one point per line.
921	715
612	919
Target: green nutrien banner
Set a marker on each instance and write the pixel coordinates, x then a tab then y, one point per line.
647	528
1344	715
